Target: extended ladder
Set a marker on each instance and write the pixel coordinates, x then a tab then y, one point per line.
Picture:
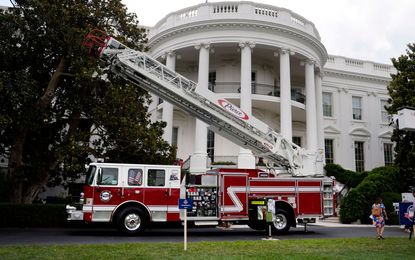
222	116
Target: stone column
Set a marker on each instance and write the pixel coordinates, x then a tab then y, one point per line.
246	80
167	115
319	108
246	159
311	112
199	157
285	95
320	123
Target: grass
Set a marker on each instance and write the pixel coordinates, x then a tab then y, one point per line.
348	248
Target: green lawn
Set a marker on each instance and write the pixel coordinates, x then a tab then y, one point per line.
353	248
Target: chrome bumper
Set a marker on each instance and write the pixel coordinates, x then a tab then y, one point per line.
74	214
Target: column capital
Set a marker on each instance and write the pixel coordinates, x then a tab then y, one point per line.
320	73
201	45
171	54
283	51
246	44
308	62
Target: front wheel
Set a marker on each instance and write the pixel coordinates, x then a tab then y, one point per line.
131	221
281	222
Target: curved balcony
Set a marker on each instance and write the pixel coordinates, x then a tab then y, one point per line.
234	11
257	89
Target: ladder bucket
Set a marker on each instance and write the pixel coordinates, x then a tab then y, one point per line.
95	42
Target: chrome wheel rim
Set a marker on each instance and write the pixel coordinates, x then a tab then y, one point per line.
280	221
132	221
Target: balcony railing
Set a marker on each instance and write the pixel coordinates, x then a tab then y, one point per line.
257	89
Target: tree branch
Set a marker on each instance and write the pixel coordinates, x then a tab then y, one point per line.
47	97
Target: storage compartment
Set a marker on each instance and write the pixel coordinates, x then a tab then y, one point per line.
328	203
204	201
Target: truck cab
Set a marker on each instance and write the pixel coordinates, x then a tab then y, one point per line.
129	195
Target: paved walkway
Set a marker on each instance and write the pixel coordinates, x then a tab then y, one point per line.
335	222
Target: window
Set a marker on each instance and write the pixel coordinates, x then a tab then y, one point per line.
211	145
156	177
357	108
327	104
174	137
108	176
212	81
297	140
359	156
388	153
253	82
328	150
135	177
385	114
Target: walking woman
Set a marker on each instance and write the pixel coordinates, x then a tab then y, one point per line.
379	216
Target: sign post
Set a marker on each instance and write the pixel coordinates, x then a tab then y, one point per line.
267	214
185	204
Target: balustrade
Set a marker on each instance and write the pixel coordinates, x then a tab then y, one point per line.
242	10
257	89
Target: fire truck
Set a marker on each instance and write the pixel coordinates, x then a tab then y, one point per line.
293	189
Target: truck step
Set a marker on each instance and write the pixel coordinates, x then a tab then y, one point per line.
206	223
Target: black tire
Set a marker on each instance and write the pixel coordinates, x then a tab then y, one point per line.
281	222
131	221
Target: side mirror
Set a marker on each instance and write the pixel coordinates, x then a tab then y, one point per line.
99	177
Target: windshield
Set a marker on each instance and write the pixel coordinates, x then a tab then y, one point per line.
90	175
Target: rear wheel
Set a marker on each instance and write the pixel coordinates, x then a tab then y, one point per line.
131	221
281	222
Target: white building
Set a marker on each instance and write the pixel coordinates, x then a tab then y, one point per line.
271	62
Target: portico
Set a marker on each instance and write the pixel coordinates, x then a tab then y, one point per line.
258	68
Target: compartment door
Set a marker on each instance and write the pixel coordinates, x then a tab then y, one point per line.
234	197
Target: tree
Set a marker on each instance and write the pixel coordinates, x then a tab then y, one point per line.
53	98
402	93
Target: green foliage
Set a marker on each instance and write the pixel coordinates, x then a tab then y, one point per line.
353	207
53	100
349	178
223	163
388	199
126	134
357	204
402	92
382	181
402	87
32	215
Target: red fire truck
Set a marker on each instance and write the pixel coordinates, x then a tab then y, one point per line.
132	196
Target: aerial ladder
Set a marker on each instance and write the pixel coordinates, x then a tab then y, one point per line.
223	117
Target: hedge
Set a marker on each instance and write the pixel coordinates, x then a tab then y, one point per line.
349	178
382	181
32	215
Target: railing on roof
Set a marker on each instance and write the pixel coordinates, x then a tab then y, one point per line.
235	10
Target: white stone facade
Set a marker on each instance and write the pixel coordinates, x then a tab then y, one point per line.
271	62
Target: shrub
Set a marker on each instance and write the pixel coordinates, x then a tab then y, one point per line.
388	199
349	178
357	204
32	215
223	163
352	206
